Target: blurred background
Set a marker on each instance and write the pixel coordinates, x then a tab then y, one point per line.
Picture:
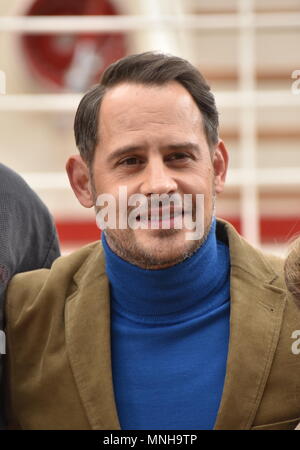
52	51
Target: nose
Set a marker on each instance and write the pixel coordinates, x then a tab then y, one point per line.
157	179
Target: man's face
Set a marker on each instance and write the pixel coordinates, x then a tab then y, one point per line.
152	141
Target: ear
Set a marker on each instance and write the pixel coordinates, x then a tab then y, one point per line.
220	164
79	178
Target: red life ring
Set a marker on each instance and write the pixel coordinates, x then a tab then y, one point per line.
75	61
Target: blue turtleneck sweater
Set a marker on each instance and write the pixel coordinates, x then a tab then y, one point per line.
169	336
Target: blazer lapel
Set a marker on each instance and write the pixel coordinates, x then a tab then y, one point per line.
87	320
255	320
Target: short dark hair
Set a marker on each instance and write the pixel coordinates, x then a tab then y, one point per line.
149	68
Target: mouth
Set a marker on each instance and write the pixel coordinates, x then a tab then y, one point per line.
161	218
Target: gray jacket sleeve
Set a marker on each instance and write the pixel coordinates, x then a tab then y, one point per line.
28	238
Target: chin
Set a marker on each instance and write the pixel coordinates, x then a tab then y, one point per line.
160	250
161	240
153	249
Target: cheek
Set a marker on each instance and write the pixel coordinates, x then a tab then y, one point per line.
103	182
201	183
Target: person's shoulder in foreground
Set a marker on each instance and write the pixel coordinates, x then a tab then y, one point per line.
28	238
64	304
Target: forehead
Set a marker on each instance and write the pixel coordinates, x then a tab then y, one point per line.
130	106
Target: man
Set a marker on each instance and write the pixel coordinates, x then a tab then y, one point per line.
28	237
152	330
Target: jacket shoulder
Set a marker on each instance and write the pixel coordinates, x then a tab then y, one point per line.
247	258
29	291
263	269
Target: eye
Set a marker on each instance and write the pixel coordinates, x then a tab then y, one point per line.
130	161
178	155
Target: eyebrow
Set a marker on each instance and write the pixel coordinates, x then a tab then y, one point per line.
184	146
135	148
124	151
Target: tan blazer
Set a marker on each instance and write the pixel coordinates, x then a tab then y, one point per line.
58	368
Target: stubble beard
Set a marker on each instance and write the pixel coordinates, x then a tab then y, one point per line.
125	245
128	248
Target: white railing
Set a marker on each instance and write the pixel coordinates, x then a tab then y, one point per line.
248	178
79	24
69	102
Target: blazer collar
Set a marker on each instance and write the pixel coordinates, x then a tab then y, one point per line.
257	304
87	319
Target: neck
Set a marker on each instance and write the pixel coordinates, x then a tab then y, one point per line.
168	290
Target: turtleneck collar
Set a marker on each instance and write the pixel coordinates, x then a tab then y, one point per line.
178	289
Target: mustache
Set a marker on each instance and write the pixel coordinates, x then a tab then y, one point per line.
163	211
137	210
154	205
